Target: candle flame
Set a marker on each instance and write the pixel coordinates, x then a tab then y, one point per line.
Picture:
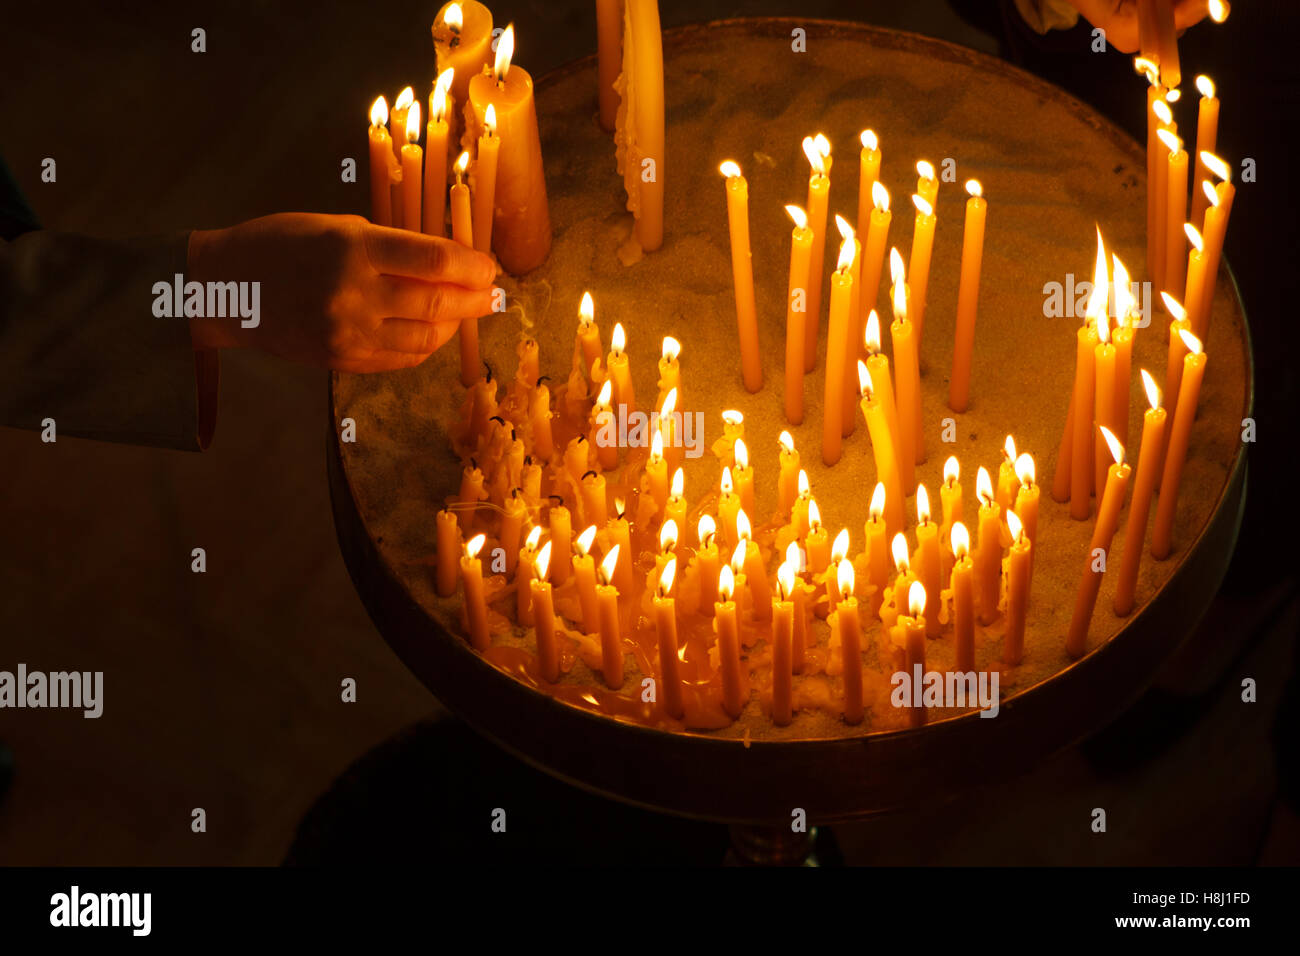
897	274
732	417
657	447
1194	236
916	599
922	206
379	112
898	548
618	341
794	557
671	349
868	139
669	406
924	169
1210	193
706	529
1174	95
1025	470
814	515
729	169
679	483
1116	449
1173	307
786	441
609	566
606	394
1014	526
1009	449
744	530
1124	301
543	562
844	578
441	88
742	455
922	505
1216	165
533	538
845	230
974	188
880	196
785	581
1162	111
960	540
1152	389
1148	67
876	509
737	561
620	506
668	536
984	487
726	584
871	335
585	540
474	545
815	158
840	546
725	483
1103	329
666	578
951	471
1171	141
865	388
847	252
505	50
462	163
1097	298
453	17
804	490
586	311
1192	342
900	302
404	99
413	123
1205	86
823	144
490	120
1219	10
797	214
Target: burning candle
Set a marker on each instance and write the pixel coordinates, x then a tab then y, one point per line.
1207	141
787	482
1139	510
988	553
665	612
927	553
584	574
1164	124
728	507
882	447
962	583
1007	480
462	40
850	630
873	253
1216	227
588	334
1085	384
818	542
472	600
1155	94
799	641
1122	338
743	476
1103	396
817	149
397	130
448	546
656	472
1107	520
908	365
604	427
675	510
1026	504
839	551
1177	349
968	289
619	373
611	645
434	214
913	630
728	634
462	222
782	647
799	513
877	550
1019	560
918	264
523	577
706	557
950	492
796	315
1179	436
381	164
412	166
620	534
760	592
927	183
609	58
883	385
485	180
670	370
742	274
737	563
1193	298
548	650
1175	209
837	356
594	507
904	578
852	344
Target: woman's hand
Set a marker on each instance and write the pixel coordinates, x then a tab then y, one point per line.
339	292
1119	18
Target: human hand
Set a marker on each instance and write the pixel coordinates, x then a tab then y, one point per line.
1119	18
339	292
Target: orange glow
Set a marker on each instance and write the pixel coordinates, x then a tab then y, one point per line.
543	562
1116	449
847	252
922	505
868	139
490	120
1192	342
876	509
413	123
671	349
840	546
737	561
742	454
1174	307
505	50
744	530
1205	86
586	311
984	487
657	447
1025	470
454	18
797	214
608	566
804	490
729	169
474	545
960	540
898	548
606	394
880	196
815	158
1097	298
726	584
814	515
584	542
725	483
668	536
534	537
922	206
379	112
786	441
785	581
1014	526
916	599
666	578
974	188
679	483
669	406
865	388
732	417
924	169
844	578
705	530
618	341
871	335
1151	388
951	471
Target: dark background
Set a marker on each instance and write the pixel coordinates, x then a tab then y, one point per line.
222	689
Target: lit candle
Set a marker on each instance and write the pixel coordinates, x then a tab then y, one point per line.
620	534
434	214
619	373
868	174
611	644
1107	519
787	482
1026	504
918	264
839	551
609	58
1216	227
799	642
584	574
1007	481
594	507
873	253
913	630
819	188
1177	351
743	476
604	427
908	365
850	630
412	167
728	507
656	472
675	509
1207	141
548	650
950	492
1175	210
1019	560
1139	509
588	334
796	314
728	634
381	165
462	40
1122	338
524	575
706	557
485	180
397	136
882	447
665	612
670	370
852	344
927	553
760	592
903	579
1085	385
782	646
962	583
1155	94
1164	124
522	227
737	563
733	427
643	166
1103	396
1193	298
742	274
818	541
877	550
837	355
448	546
472	600
462	222
968	290
927	183
1179	436
883	385
988	553
799	513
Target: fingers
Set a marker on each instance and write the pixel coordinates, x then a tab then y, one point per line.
431	258
397	297
413	336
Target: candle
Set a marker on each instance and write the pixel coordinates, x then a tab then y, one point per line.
988	553
675	510
927	551
656	473
448	546
799	640
524	575
1018	570
462	222
706	557
522	220
594	508
1085	385
472	600
950	492
1179	435
1007	480
381	165
512	523
620	534
907	362
609	58
643	164
1026	504
539	416
1175	209
742	275
737	563
873	254
927	184
728	508
913	630
839	551
665	613
968	290
1107	519
799	513
584	574
728	634
412	167
560	524
1155	94
782	647
1166	42
760	592
1177	350
1139	510
883	386
882	447
1165	124
434	214
818	542
852	344
619	373
485	180
588	334
604	428
1122	338
877	550
667	427
1207	141
611	645
1193	298
868	174
743	476
962	583
796	314
850	630
733	427
918	264
819	188
1216	227
904	578
462	41
837	356
1103	396
787	482
670	370
471	492
397	137
548	650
